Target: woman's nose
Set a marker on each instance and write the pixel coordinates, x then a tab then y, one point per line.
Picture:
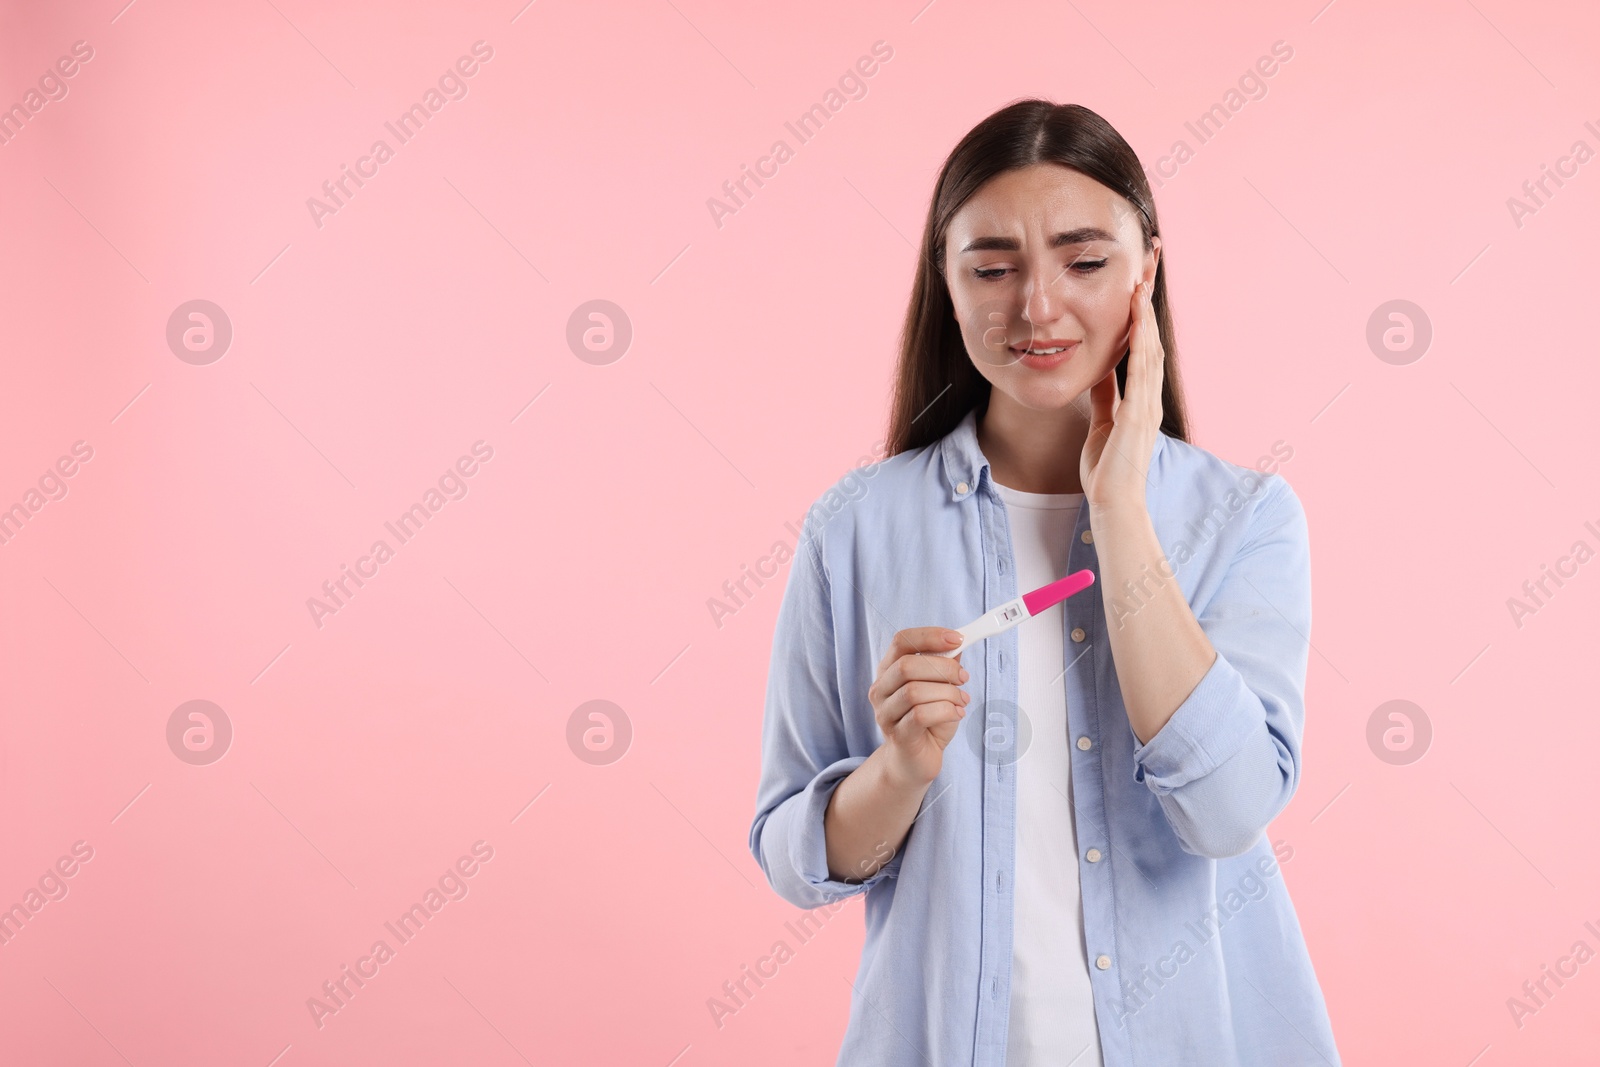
1042	302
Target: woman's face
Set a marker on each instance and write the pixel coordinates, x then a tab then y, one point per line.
1040	258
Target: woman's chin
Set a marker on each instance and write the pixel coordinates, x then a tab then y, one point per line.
1052	393
1052	389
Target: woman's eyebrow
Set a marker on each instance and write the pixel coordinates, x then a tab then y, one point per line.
1081	235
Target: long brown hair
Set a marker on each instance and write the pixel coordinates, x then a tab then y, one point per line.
936	383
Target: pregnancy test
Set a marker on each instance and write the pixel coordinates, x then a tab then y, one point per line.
1013	612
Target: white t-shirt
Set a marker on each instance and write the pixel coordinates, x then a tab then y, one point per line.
1052	1004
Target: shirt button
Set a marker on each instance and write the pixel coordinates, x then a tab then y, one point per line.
1093	855
1084	744
1077	633
961	487
1102	962
1088	537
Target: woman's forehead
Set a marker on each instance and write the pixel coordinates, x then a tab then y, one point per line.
1040	203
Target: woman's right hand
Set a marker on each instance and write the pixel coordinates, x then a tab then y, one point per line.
918	701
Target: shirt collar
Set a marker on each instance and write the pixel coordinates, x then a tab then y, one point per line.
965	463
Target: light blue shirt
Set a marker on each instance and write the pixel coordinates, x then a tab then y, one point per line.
1196	955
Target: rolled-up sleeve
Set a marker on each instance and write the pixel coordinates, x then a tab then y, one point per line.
804	753
1229	758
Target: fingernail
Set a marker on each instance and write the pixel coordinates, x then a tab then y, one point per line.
951	637
964	674
966	697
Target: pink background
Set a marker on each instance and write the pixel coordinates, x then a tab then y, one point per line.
371	352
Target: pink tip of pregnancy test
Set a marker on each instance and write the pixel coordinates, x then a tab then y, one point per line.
1048	596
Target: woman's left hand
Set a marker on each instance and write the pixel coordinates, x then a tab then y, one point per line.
1115	466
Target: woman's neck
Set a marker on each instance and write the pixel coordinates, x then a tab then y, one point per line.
1030	450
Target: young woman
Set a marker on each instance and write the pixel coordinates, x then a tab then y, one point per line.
1060	832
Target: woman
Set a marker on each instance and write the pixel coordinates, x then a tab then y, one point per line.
1060	832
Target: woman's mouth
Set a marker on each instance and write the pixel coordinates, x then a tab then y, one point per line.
1043	355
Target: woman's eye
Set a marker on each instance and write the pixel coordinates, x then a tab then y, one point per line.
1082	266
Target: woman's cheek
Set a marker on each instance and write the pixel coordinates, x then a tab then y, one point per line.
1114	331
1107	323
